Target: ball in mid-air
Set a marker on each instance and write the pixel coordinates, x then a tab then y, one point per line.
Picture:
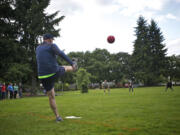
110	39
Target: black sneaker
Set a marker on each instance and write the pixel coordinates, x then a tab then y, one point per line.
59	119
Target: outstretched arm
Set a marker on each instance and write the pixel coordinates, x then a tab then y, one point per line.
60	53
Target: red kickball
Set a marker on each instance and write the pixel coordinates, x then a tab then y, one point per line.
111	39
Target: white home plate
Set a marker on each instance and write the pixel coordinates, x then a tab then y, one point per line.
72	117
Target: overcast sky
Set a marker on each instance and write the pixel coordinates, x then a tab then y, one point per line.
87	23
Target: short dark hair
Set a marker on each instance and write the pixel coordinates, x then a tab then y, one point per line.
48	36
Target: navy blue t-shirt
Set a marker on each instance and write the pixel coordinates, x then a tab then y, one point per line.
46	58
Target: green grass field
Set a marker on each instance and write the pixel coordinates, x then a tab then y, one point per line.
147	111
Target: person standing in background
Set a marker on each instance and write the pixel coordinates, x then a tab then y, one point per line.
169	85
16	88
105	86
20	90
3	90
130	85
10	89
7	91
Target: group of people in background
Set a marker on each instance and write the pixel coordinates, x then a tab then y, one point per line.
106	87
10	91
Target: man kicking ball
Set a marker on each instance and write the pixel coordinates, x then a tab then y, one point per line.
49	70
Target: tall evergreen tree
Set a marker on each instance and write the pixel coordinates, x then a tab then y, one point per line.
156	52
149	55
139	56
